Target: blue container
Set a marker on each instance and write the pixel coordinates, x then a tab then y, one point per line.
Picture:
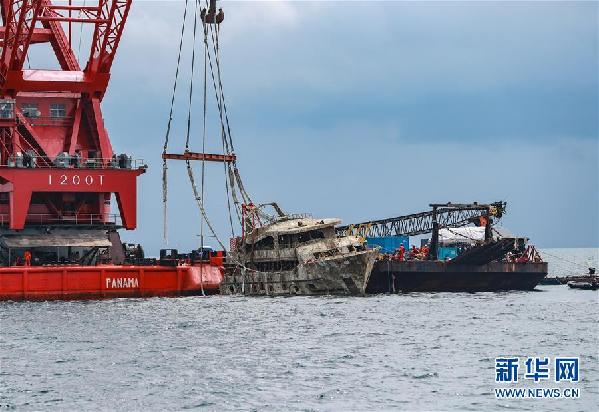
388	244
447	252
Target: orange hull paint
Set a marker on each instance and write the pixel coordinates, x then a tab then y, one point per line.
106	281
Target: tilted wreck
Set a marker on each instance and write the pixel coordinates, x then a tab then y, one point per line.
295	255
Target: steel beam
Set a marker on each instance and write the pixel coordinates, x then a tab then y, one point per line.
208	157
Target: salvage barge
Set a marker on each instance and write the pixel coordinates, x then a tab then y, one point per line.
437	276
59	174
106	281
484	259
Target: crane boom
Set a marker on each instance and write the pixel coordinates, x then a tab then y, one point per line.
56	159
445	215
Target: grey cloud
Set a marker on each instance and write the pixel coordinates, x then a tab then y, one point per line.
371	109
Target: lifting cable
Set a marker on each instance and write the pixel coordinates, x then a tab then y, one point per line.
168	132
80	35
199	196
203	151
580	265
232	177
222	106
188	131
226	147
215	46
193	61
233	174
226	166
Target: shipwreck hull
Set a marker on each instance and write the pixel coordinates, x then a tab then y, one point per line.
338	275
436	276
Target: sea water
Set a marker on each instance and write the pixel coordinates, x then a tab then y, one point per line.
417	351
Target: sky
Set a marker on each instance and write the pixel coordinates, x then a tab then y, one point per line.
365	110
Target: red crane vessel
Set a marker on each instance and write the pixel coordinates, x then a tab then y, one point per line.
59	172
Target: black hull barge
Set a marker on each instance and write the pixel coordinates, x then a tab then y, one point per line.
390	276
466	252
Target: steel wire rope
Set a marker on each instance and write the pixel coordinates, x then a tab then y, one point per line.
223	107
225	164
215	43
80	35
581	265
232	175
198	196
203	151
219	92
168	131
193	61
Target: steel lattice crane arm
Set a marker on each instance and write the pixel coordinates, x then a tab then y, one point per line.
56	159
444	215
20	16
107	34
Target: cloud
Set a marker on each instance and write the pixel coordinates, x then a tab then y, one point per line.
372	109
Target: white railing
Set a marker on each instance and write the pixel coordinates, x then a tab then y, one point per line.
67	219
35	162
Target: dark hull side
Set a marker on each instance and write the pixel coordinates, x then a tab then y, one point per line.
428	276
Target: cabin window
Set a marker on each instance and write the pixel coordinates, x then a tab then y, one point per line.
285	241
326	253
30	110
276	266
311	235
317	234
58	110
7	109
303	237
289	264
266	243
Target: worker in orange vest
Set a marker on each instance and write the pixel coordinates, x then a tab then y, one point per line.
413	253
402	253
424	250
27	256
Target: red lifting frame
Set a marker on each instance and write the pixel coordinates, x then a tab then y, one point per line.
208	157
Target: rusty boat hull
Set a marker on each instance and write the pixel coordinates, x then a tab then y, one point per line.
345	275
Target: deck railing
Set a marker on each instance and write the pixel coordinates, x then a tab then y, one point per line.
41	162
67	219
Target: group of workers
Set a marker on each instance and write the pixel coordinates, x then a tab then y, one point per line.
26	261
413	254
530	254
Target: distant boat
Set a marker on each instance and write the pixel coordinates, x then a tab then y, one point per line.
550	281
592	284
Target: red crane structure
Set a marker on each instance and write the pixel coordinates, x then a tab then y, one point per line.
58	170
57	165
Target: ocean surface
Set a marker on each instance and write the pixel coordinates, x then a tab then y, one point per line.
417	351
